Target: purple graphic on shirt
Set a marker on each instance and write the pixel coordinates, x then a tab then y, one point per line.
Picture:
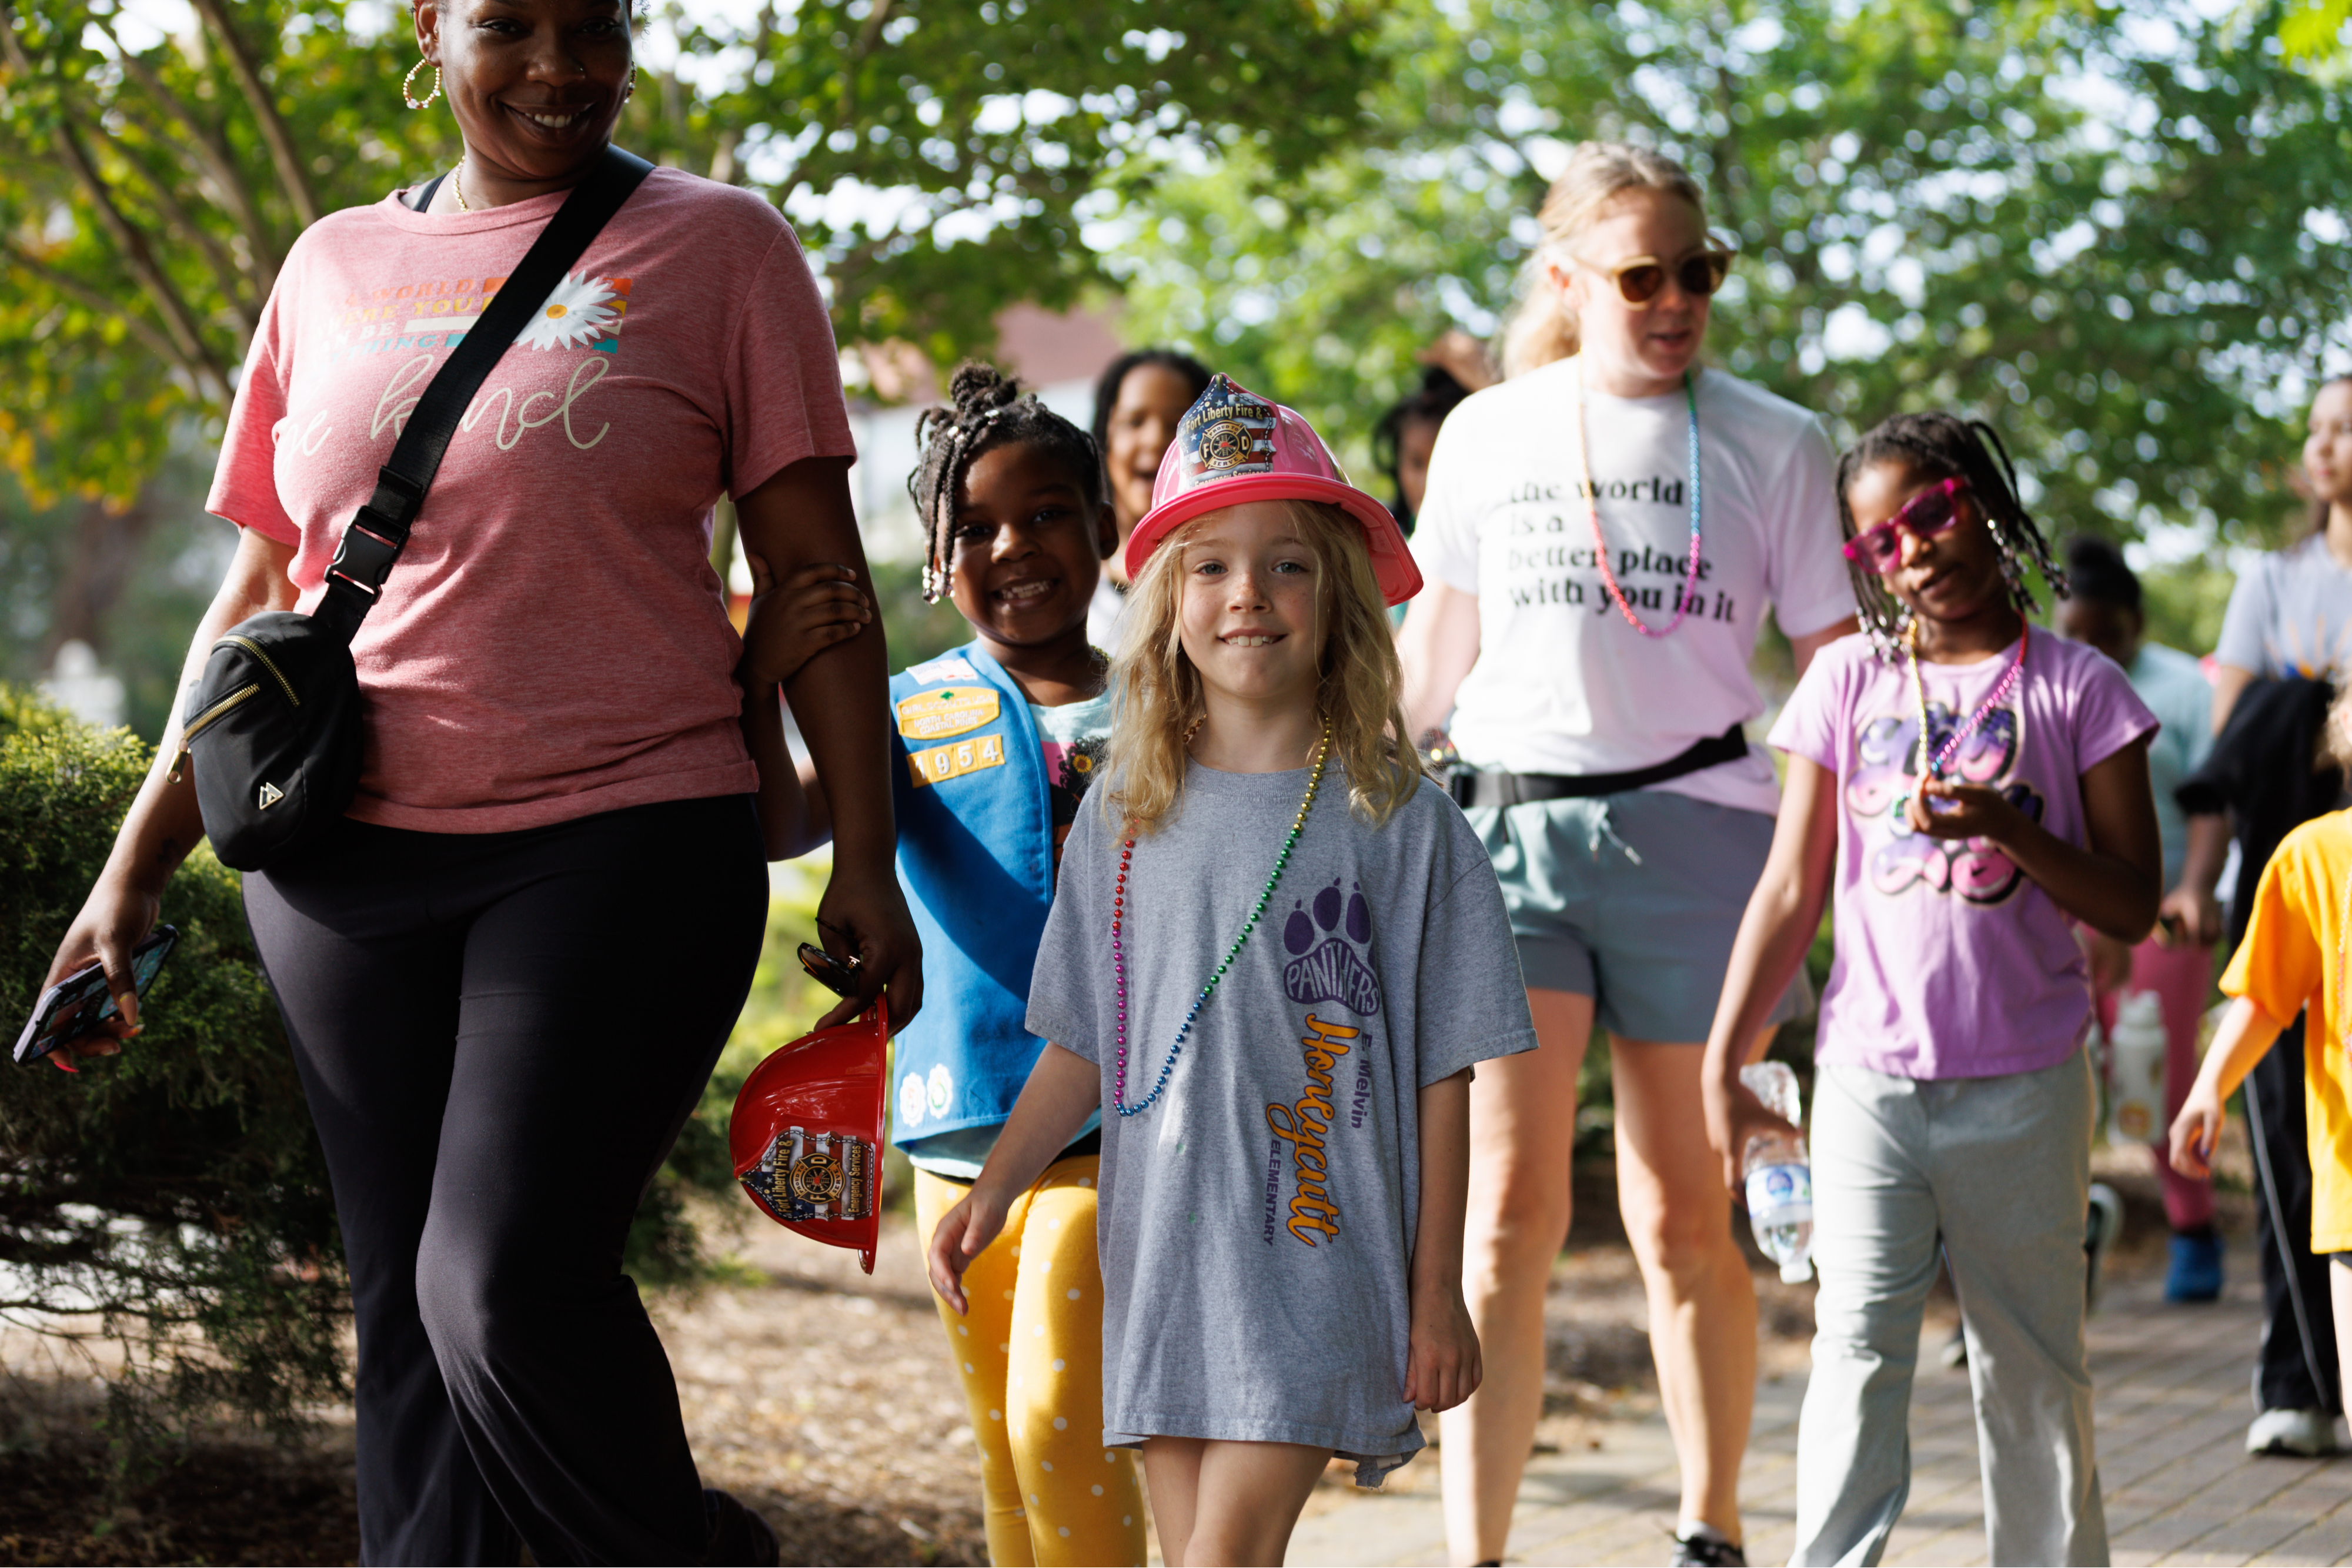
1976	870
1338	970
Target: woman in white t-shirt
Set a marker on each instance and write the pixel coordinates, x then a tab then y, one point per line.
1590	637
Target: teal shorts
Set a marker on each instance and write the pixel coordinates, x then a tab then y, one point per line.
1632	900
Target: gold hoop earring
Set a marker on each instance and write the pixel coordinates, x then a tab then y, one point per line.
414	102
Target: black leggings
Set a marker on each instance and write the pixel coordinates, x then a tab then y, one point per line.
2296	1368
501	1035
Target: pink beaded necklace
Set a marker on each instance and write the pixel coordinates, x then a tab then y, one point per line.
1933	767
1592	516
1118	952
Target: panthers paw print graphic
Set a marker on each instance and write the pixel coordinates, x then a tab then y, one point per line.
1329	961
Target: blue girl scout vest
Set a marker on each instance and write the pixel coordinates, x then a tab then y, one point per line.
976	858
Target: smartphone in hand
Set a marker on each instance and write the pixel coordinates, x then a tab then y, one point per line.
76	1005
838	976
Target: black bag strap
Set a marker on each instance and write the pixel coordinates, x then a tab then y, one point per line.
376	534
1471	789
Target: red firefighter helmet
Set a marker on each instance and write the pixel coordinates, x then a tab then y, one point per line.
806	1134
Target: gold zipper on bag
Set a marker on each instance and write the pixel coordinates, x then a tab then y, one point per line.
254	648
206	720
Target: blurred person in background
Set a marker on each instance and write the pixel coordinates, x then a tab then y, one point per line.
1138	402
1453	367
2286	641
1589	628
2176	961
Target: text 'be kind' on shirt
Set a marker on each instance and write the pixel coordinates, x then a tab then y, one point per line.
552	642
1562	683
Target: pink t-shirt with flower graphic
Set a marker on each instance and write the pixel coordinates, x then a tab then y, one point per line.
553	642
1950	962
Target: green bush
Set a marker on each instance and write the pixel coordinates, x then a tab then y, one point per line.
172	1200
174	1195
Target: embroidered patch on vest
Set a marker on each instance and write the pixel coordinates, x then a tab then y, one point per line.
946	667
949	711
940	763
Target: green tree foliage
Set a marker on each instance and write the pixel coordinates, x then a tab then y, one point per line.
2311	32
2114	231
936	155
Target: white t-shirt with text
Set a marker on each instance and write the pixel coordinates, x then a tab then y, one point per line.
1562	683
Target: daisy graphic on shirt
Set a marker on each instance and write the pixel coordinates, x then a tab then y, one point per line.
578	311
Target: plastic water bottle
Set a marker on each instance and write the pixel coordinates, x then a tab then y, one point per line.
2136	1070
1779	1178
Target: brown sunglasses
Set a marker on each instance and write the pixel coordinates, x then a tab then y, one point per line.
1640	279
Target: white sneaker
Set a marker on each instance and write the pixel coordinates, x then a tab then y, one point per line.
2306	1434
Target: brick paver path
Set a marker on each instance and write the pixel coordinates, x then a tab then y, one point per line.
2172	1414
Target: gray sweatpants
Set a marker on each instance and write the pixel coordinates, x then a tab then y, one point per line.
1998	1171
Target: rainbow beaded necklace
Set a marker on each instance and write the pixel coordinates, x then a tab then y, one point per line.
1118	952
1933	767
1592	514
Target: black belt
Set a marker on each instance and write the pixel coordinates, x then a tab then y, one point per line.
1471	789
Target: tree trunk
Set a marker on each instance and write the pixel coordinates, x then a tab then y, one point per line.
98	566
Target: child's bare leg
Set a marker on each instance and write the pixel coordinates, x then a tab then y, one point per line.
1171	1478
1223	1503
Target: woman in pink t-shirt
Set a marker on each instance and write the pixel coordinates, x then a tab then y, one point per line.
507	973
1967	786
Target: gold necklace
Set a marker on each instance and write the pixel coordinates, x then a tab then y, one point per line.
457	183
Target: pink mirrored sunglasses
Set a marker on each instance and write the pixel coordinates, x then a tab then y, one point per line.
1930	512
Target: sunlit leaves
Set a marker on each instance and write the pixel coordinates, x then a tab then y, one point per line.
936	155
2119	235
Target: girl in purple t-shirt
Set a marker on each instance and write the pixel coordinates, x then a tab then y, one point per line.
1967	786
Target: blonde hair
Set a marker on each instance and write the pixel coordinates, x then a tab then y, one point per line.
1542	328
1158	701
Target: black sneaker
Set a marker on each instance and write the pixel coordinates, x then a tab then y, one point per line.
2102	1228
1707	1551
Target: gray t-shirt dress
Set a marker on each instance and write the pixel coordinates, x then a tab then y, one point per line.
1257	1221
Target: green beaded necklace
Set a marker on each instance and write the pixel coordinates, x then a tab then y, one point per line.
1118	953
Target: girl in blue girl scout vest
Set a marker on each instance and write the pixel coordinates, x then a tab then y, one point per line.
997	742
1275	950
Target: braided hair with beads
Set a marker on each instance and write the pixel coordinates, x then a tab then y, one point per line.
986	409
1939	446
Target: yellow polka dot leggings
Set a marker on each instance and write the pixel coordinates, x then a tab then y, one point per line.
1031	1358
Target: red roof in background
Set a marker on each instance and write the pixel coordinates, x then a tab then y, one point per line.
1045	347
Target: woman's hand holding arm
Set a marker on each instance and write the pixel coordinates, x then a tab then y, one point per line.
1063	1090
1442	1362
2111	886
163	823
1782	915
820	606
802	517
2244	1038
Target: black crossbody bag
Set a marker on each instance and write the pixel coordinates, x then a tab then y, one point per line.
275	723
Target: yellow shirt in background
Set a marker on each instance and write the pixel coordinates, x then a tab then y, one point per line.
2293	957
